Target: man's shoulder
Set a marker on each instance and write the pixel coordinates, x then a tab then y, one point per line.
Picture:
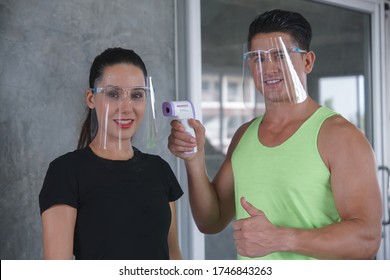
238	135
337	124
339	133
244	127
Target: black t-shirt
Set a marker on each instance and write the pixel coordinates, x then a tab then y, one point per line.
122	205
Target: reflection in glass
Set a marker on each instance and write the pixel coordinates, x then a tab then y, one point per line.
344	95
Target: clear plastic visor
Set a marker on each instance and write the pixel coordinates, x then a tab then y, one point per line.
120	111
271	72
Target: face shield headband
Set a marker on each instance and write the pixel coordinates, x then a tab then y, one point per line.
271	71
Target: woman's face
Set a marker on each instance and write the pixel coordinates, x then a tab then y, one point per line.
120	105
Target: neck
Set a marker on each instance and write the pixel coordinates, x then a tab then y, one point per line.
112	154
285	113
281	122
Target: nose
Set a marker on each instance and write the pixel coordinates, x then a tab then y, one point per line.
126	104
270	64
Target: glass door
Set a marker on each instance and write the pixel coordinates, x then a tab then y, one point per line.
341	79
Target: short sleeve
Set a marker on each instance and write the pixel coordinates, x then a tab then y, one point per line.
60	184
173	187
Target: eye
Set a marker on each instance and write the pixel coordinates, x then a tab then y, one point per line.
113	93
137	95
262	58
254	57
279	55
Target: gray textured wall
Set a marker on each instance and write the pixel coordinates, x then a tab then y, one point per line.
46	48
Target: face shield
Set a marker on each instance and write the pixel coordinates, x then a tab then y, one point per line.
121	111
270	75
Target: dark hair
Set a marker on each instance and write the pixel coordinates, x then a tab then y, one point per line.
288	22
109	57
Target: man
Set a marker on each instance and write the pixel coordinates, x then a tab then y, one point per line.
300	179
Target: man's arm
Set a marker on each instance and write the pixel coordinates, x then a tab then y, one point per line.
352	166
350	159
212	203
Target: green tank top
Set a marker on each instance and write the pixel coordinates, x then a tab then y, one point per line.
290	183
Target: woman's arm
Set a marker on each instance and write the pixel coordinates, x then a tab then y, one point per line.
58	224
173	241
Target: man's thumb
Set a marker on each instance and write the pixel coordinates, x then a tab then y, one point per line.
249	208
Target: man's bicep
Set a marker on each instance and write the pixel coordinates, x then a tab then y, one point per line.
354	179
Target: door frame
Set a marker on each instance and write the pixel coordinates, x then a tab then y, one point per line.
189	81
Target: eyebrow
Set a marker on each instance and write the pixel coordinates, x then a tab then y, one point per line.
132	87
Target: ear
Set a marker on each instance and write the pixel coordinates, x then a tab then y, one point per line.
310	57
89	98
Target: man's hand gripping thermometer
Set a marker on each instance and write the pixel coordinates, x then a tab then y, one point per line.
182	111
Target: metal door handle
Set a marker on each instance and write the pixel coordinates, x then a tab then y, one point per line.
387	170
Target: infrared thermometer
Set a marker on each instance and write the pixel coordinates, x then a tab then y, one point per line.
182	111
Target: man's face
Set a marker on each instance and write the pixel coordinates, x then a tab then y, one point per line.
279	67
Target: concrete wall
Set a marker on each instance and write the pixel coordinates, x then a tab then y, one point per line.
46	48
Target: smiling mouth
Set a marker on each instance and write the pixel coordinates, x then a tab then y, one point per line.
124	123
273	81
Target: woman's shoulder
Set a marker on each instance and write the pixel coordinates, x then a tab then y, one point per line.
151	158
70	157
147	156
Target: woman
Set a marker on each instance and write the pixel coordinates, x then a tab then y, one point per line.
108	200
